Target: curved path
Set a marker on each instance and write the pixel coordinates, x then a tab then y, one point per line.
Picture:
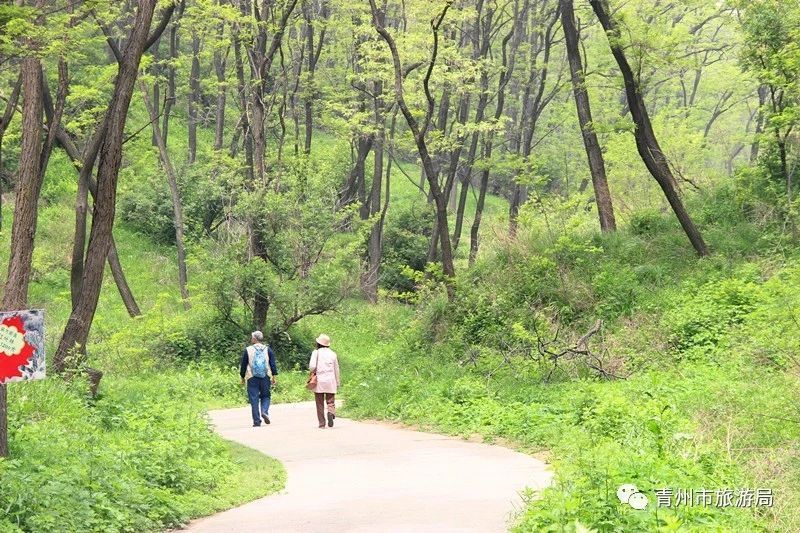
370	477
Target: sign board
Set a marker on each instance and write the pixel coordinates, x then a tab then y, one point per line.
22	345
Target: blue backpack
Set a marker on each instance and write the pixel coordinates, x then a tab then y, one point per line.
259	365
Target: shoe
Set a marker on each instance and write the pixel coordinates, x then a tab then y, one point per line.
331	416
322	426
265	417
256	425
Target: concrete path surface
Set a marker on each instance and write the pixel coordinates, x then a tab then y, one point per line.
371	477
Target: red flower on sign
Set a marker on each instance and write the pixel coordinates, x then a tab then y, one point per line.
10	363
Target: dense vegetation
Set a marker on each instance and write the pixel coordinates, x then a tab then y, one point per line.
615	289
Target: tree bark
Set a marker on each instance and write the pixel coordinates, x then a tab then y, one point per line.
646	142
194	98
594	154
762	99
29	184
79	323
177	207
220	64
79	241
370	282
171	73
23	229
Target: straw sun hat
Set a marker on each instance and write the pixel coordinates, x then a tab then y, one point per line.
324	340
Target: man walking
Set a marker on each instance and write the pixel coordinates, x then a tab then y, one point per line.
258	370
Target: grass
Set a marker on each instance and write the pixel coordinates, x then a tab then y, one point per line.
239	487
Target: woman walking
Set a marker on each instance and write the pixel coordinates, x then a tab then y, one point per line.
325	364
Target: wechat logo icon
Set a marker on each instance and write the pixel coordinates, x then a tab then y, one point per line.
629	494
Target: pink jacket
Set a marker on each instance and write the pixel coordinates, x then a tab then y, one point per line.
326	363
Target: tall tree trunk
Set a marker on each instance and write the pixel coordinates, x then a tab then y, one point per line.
484	185
171	74
29	184
76	332
23	229
313	52
481	47
177	208
451	184
220	64
506	71
241	90
355	182
79	241
602	195
156	69
534	99
762	99
261	53
194	98
646	143
370	283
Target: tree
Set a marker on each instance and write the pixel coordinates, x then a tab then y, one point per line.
506	71
772	54
261	51
646	142
80	319
594	153
534	97
420	130
177	207
29	184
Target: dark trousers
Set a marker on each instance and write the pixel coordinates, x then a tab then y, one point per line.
259	393
322	398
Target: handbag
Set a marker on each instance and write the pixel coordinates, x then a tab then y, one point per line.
311	384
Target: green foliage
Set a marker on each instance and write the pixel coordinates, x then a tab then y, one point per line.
647	223
698	324
406	240
139	458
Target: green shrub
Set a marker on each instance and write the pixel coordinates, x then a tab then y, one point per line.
648	222
405	246
699	324
616	288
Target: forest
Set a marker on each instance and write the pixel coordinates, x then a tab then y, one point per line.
566	226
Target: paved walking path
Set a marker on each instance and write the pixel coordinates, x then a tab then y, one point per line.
371	477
